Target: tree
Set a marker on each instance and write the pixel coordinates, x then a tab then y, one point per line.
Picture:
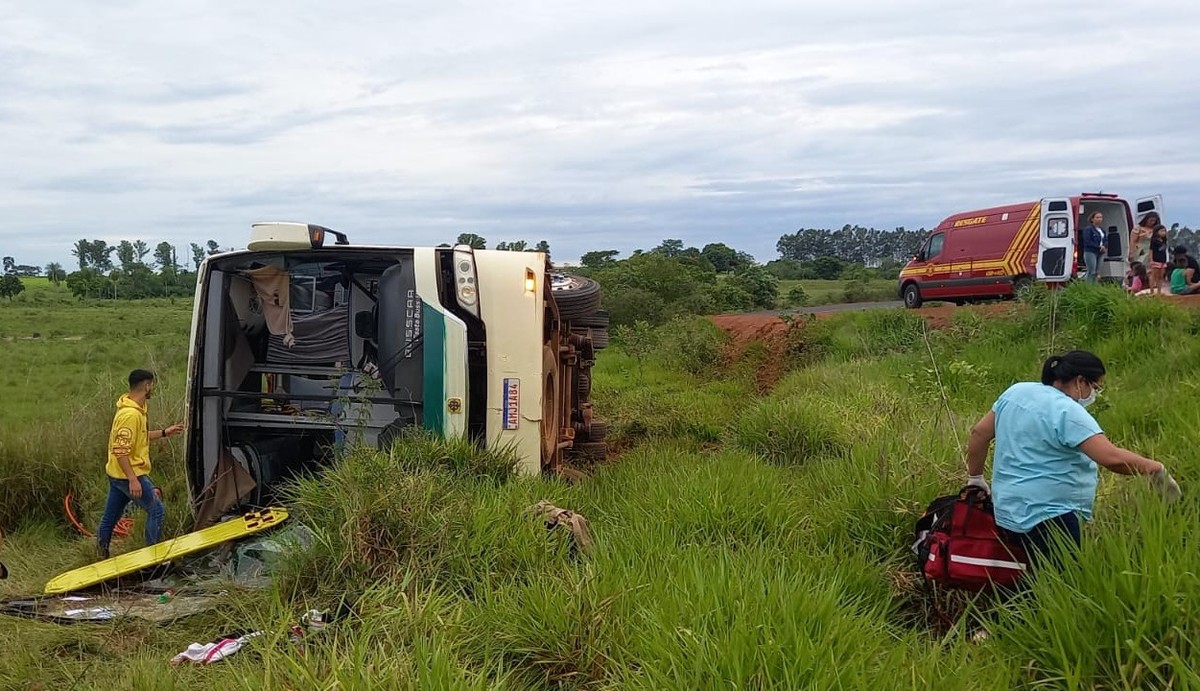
197	255
141	249
476	242
82	252
720	255
515	246
669	248
542	246
10	265
598	258
655	288
213	247
89	283
828	268
164	257
126	255
762	287
138	283
11	286
55	273
100	255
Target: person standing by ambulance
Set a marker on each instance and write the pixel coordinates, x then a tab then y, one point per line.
1093	246
128	464
1139	238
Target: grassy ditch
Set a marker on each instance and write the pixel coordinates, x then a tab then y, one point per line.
743	539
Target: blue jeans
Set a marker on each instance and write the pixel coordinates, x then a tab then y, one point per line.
1039	542
118	499
1091	260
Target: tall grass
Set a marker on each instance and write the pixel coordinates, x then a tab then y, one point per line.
65	366
742	540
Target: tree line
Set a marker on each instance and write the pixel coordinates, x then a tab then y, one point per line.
129	269
666	279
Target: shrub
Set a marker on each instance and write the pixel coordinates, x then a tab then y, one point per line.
729	297
796	297
692	344
792	431
762	287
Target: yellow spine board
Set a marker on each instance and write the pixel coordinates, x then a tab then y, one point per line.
132	562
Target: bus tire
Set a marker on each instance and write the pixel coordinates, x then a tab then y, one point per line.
595	451
576	296
596	320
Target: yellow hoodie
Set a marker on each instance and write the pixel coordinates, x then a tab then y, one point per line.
129	438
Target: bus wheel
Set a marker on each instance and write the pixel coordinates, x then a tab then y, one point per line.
912	296
551	405
577	296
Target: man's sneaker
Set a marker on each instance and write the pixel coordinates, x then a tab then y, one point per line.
102	550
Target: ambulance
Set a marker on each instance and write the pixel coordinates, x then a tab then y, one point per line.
993	253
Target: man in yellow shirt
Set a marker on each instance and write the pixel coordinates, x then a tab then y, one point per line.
129	462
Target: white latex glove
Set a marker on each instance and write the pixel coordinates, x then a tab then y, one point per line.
1166	485
978	481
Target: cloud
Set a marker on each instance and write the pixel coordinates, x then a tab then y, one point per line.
589	125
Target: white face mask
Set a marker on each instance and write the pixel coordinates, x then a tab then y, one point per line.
1091	397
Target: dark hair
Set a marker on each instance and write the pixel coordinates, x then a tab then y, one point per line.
1146	218
138	376
1179	249
1075	363
1139	270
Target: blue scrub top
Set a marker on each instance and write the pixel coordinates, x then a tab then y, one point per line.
1038	471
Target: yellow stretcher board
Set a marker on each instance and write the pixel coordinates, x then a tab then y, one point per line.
168	550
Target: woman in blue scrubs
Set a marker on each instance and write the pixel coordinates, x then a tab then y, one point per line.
1048	451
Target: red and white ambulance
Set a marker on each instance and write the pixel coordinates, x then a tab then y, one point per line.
993	253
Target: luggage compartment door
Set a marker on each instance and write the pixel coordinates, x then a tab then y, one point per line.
1056	240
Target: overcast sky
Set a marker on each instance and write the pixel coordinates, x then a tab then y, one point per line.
588	124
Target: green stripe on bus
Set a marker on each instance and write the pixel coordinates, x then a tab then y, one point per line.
433	341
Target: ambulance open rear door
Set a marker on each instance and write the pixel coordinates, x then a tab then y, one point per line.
1056	241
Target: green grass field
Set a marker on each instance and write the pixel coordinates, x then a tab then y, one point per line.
835	292
743	539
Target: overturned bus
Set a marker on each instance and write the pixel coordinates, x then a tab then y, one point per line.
304	343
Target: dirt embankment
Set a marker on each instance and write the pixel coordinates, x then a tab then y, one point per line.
776	333
745	328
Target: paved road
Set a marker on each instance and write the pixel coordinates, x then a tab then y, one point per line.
829	308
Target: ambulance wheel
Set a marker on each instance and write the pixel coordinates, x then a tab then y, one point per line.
1021	284
912	296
